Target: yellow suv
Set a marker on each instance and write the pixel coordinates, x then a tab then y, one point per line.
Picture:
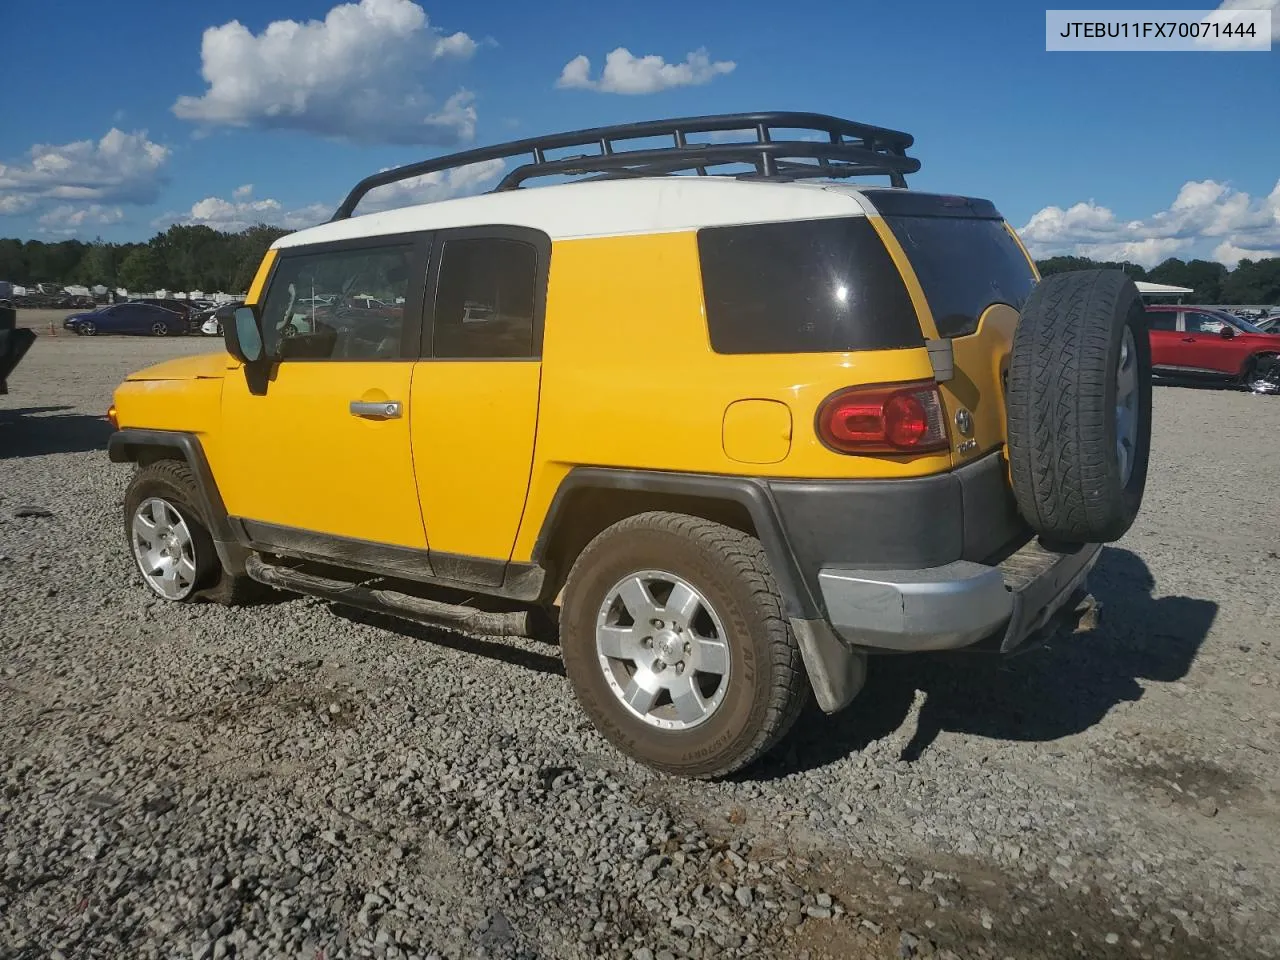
734	421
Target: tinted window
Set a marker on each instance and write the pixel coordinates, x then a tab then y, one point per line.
1204	323
1162	320
318	307
485	299
809	286
964	266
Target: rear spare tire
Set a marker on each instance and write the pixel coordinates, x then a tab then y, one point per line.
1079	405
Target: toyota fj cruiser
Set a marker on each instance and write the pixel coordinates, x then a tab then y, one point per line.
740	431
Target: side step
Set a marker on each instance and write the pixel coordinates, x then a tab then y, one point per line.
454	616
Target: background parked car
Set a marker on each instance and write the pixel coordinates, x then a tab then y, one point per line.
183	308
1208	345
132	317
1270	324
211	321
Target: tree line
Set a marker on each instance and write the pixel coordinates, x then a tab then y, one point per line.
180	258
1252	281
201	258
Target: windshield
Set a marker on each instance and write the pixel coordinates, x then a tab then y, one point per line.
1244	325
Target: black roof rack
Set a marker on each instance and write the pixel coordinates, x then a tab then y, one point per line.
849	149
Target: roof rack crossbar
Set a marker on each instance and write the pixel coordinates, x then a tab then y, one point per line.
854	161
873	150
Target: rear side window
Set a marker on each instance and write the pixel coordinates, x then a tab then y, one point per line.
806	286
485	299
1162	320
964	266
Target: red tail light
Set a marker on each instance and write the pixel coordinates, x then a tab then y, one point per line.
896	418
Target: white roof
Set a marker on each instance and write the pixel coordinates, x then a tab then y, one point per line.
606	208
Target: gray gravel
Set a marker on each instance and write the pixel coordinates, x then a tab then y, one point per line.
291	780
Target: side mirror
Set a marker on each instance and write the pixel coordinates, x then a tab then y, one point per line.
1227	332
243	336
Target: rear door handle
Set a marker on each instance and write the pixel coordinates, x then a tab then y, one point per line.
381	409
1188	339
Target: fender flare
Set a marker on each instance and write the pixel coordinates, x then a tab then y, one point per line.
127	446
751	494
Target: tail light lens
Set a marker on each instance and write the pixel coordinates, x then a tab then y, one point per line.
111	417
897	418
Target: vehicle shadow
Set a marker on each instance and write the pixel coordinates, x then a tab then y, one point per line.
38	431
1061	688
465	643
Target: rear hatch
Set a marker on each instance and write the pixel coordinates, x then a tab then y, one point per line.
969	277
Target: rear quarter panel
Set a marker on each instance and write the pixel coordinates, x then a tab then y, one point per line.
630	380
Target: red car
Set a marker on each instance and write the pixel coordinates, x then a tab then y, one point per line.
1208	345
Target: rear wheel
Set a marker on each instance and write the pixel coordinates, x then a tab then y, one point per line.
673	637
170	540
160	329
1079	404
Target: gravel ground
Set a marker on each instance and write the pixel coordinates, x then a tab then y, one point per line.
291	780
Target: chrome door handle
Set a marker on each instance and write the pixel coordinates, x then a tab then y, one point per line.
384	409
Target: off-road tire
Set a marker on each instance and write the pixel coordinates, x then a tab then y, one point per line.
172	481
767	684
1061	407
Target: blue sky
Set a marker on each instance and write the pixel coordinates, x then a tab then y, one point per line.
1137	154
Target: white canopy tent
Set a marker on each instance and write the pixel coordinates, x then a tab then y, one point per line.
1161	290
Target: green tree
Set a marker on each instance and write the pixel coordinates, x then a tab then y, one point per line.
1064	264
98	265
1206	278
143	270
251	245
1254	281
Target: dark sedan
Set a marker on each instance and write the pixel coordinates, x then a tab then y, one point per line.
128	318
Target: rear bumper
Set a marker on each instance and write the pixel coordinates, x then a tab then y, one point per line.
955	604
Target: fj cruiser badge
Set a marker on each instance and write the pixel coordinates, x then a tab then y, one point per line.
964	422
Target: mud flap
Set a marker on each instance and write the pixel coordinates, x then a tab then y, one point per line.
836	672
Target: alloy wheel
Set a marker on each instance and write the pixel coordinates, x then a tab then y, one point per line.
164	548
663	650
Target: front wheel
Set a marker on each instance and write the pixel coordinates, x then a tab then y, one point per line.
1262	375
674	640
87	329
170	541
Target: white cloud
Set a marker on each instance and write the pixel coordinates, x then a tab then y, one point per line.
356	75
239	214
626	73
1203	211
243	192
433	186
69	219
1272	5
119	168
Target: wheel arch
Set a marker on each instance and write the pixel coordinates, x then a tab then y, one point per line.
144	447
590	499
1259	353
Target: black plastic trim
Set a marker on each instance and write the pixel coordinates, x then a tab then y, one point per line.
751	493
517	581
125	445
